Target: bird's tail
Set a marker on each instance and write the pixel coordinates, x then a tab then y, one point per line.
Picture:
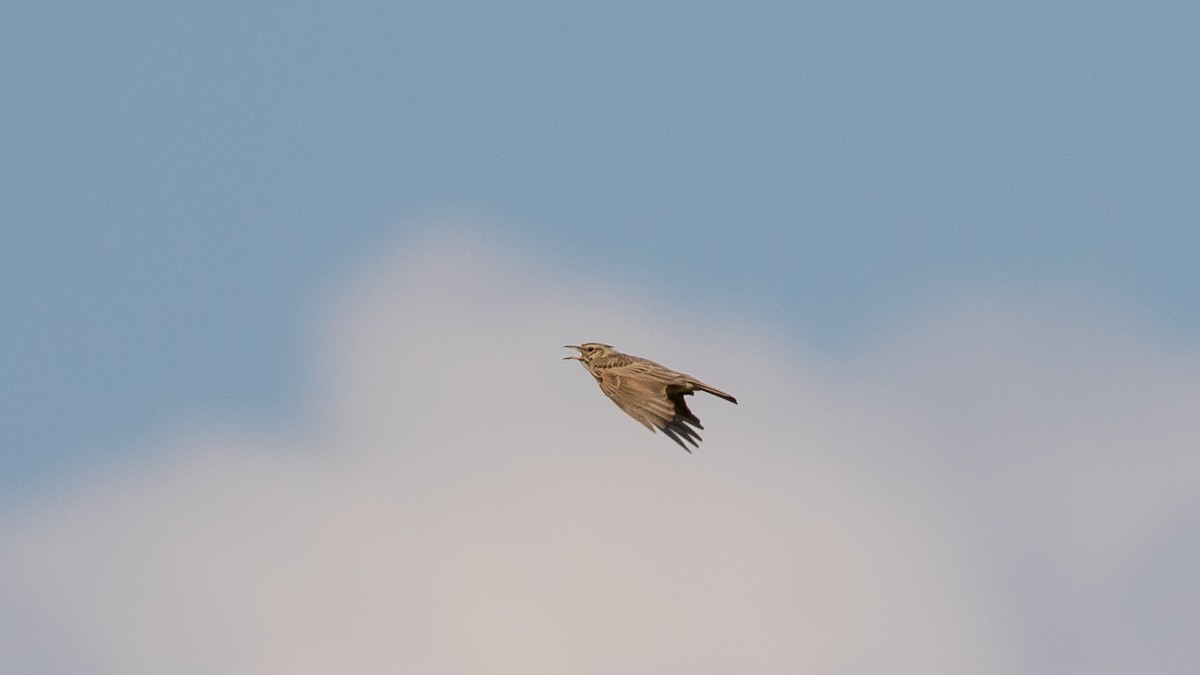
716	392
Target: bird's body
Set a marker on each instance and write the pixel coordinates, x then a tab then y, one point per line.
649	392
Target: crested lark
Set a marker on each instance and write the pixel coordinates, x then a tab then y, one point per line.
650	393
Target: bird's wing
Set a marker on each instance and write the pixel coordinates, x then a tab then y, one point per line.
641	390
639	393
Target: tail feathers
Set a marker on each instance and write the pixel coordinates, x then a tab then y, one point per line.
716	392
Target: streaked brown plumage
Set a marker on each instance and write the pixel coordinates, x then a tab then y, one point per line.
649	392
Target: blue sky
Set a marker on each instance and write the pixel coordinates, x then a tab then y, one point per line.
178	182
183	189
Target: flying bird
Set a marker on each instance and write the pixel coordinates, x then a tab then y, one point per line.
649	392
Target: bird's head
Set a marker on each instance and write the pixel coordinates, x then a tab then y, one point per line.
589	351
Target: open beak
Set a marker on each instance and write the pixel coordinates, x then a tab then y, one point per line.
577	357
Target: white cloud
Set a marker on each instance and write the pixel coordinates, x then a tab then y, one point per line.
988	492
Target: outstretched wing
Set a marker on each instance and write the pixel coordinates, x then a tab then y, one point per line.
653	395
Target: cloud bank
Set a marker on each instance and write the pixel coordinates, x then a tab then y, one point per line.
1007	484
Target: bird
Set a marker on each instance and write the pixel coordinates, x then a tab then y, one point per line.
647	391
